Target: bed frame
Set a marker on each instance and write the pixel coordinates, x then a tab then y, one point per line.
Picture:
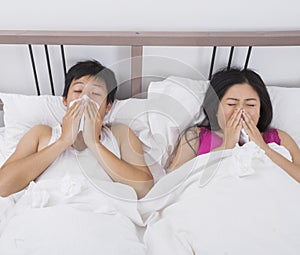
137	40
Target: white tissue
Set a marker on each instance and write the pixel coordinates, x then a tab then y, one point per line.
244	158
71	186
86	99
244	138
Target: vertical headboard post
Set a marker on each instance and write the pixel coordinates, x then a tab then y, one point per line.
137	40
136	69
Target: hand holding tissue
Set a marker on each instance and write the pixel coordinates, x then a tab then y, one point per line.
86	99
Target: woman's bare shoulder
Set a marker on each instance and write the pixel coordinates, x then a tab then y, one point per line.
191	136
285	138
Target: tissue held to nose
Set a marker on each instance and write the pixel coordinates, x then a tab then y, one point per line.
86	99
244	138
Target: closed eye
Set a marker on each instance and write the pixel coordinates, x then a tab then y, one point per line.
231	104
97	94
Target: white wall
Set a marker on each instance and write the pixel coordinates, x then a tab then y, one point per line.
150	14
279	67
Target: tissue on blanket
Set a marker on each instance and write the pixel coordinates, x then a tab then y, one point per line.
48	193
257	214
239	161
70	186
86	99
243	158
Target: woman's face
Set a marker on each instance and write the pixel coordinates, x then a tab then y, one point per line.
239	96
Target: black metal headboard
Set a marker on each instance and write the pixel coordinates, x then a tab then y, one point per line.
137	40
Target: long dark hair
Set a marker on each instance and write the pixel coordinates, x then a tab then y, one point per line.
219	84
222	81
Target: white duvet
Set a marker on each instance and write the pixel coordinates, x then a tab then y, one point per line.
243	204
47	220
63	213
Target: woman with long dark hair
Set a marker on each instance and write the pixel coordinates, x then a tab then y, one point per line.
237	102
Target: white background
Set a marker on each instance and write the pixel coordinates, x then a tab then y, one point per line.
278	67
150	15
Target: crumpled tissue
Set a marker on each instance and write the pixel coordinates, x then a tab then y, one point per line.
71	186
243	157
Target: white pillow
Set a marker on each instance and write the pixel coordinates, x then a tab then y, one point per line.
286	104
21	112
174	105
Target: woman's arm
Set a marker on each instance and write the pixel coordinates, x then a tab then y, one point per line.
291	167
28	162
186	149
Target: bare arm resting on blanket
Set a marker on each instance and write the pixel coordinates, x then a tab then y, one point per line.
33	154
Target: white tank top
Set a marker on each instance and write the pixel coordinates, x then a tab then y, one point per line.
80	164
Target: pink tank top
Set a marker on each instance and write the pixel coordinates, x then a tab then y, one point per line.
208	140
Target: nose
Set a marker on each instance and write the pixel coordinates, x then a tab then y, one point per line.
85	91
239	105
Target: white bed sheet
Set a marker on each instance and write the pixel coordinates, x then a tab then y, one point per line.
254	214
66	230
86	223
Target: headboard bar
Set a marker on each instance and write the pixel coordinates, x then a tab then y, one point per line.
137	40
63	58
212	62
34	70
248	57
49	69
230	57
162	38
136	69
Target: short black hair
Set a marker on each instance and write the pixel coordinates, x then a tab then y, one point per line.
95	69
226	78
